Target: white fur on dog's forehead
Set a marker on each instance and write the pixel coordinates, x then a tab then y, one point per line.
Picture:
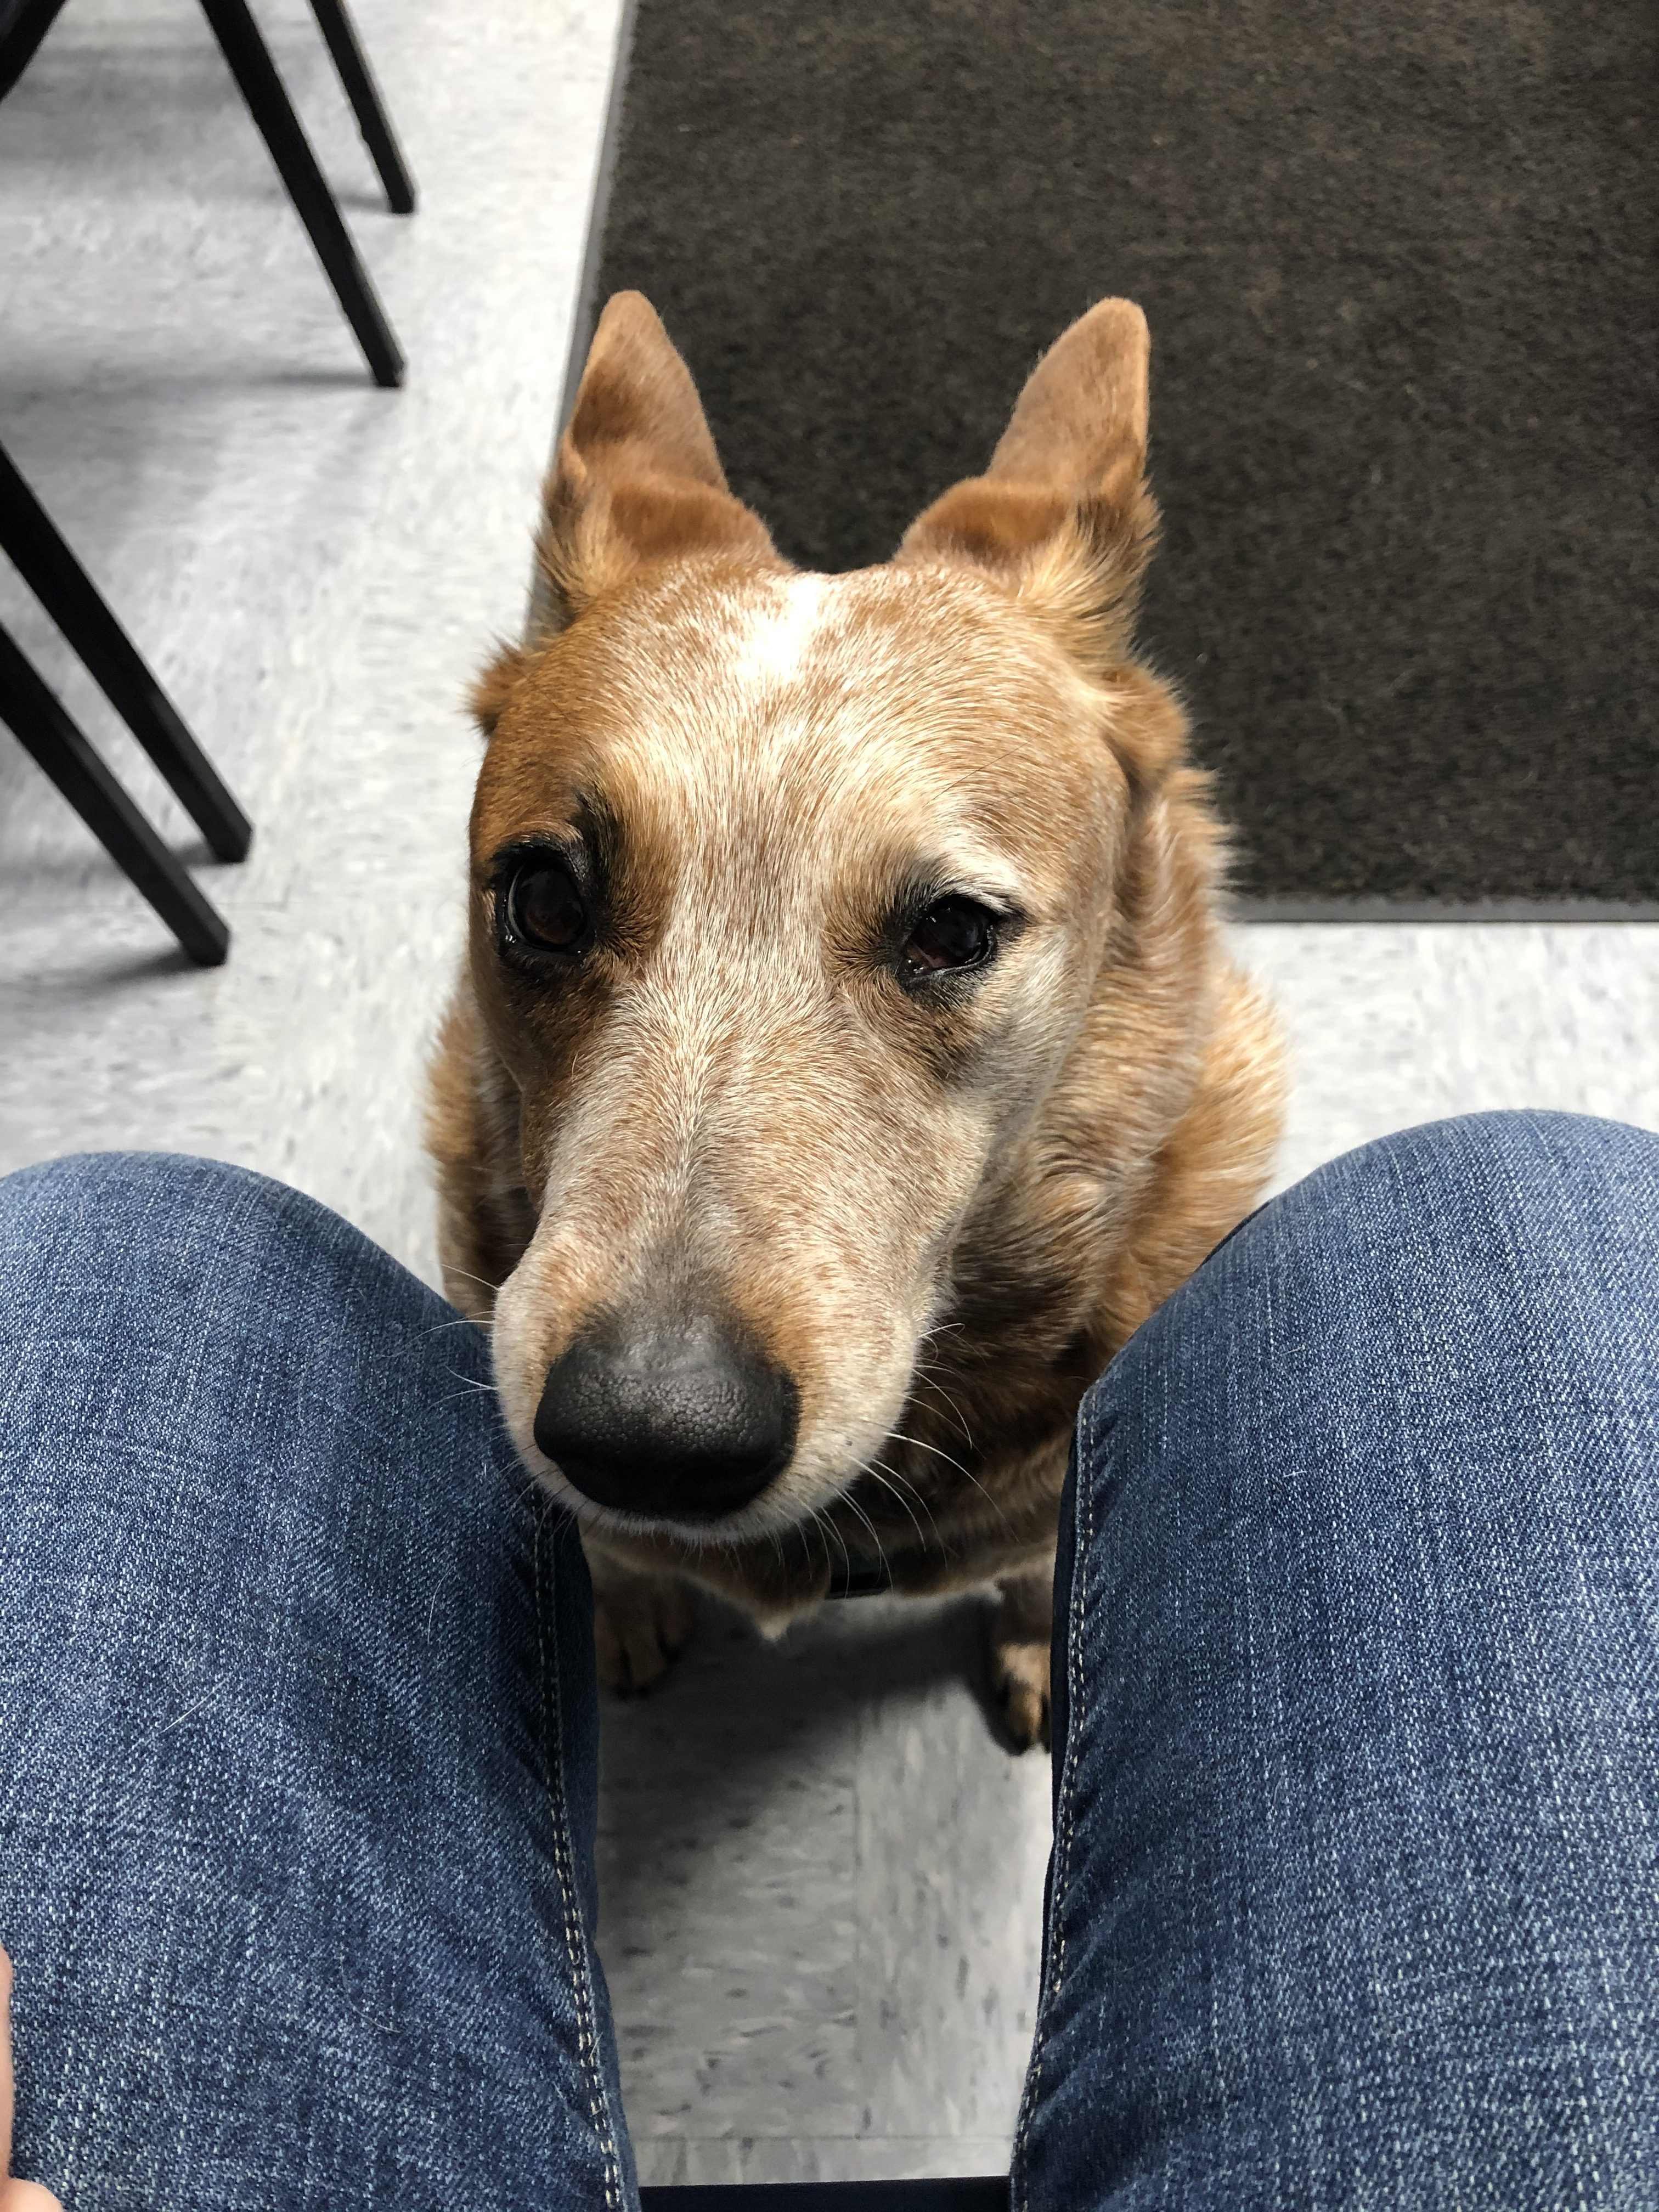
929	649
780	622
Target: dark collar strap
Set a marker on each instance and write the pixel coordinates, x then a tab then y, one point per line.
859	1578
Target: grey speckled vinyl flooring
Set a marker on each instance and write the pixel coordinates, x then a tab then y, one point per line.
821	1879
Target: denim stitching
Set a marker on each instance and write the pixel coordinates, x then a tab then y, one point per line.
1083	1513
599	2102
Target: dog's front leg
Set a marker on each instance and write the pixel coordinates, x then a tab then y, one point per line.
641	1619
1020	1629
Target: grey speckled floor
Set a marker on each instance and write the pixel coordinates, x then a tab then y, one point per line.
821	1878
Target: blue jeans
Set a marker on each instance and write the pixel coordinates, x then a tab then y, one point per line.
1354	1897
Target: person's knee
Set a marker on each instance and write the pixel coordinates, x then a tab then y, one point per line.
1521	1175
156	1309
1488	1199
168	1250
1420	1298
1463	1236
132	1220
81	1185
1418	1389
70	1186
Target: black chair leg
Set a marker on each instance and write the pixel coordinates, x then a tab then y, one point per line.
43	728
74	604
268	102
361	90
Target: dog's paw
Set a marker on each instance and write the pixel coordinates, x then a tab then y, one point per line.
639	1622
1020	1682
1020	1629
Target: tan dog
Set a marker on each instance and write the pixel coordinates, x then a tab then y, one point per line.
845	1061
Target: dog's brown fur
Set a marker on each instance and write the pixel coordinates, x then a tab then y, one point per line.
944	1217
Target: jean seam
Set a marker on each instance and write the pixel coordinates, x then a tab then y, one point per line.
598	2101
1077	1610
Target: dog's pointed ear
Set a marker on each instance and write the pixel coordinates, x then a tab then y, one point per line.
1062	517
636	478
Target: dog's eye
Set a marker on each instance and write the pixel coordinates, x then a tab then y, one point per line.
954	932
546	908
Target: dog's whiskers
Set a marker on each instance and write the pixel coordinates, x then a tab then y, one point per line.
924	1373
847	1499
491	1290
469	1390
882	1475
986	1496
807	1529
923	1444
966	1472
890	1479
826	1528
471	1382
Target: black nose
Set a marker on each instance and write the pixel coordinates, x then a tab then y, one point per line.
684	1421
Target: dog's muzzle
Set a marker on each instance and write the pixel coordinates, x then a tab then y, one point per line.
679	1420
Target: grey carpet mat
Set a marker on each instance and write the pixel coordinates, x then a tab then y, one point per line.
1398	259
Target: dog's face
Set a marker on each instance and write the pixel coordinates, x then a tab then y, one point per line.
790	894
